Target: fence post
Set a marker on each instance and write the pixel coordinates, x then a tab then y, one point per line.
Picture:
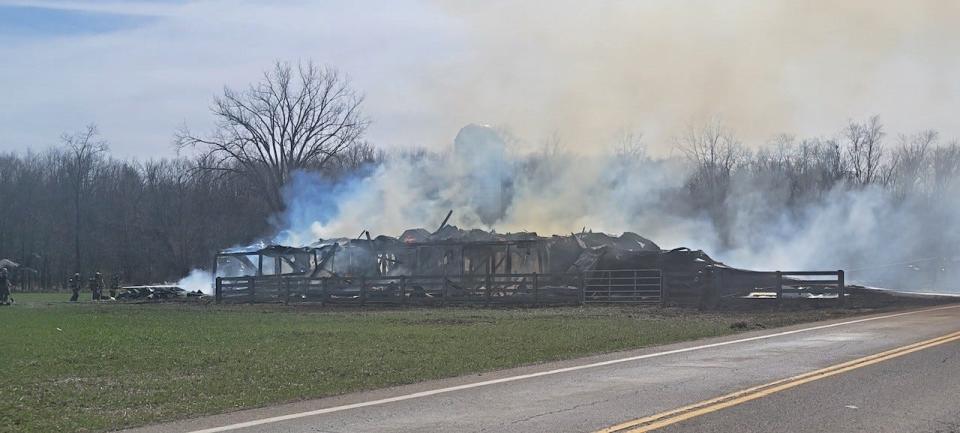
583	288
841	288
486	295
323	291
536	290
253	289
403	290
664	290
663	294
443	292
286	290
779	288
609	285
218	291
363	290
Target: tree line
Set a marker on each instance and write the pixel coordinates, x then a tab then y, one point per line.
74	208
64	211
884	206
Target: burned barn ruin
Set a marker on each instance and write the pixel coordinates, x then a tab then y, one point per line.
454	266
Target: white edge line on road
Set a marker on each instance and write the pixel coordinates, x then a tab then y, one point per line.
543	373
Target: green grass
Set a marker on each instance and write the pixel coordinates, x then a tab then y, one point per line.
88	367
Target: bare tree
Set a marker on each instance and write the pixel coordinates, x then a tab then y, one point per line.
865	149
714	149
911	163
629	146
945	169
358	156
294	119
84	150
715	153
827	166
552	145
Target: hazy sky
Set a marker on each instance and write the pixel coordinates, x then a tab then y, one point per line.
582	70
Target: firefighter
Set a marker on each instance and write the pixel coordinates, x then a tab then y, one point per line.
114	286
4	287
97	286
75	285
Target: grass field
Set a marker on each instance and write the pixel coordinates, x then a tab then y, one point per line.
90	367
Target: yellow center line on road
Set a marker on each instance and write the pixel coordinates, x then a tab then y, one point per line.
674	416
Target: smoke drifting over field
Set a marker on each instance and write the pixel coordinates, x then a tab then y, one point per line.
586	69
758	220
581	72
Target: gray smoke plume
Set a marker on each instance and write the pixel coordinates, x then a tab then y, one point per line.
762	220
579	70
587	68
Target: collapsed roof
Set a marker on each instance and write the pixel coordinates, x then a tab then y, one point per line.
453	251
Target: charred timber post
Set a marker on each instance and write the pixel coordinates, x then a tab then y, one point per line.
445	220
215	262
403	290
218	290
841	288
252	283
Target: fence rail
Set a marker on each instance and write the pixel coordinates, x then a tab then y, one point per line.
831	283
633	286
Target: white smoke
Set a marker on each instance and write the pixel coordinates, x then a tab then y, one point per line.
488	187
197	280
864	230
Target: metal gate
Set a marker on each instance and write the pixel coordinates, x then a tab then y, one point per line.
628	286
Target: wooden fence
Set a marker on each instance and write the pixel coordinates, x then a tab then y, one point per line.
633	286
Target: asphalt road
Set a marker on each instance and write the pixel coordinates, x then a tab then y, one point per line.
919	392
915	391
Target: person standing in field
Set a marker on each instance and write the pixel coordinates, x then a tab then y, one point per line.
75	287
4	287
114	286
96	286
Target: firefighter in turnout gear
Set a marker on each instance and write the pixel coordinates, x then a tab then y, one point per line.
75	287
4	287
75	284
96	286
114	286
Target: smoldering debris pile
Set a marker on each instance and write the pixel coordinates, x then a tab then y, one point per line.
452	266
156	293
451	250
476	261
